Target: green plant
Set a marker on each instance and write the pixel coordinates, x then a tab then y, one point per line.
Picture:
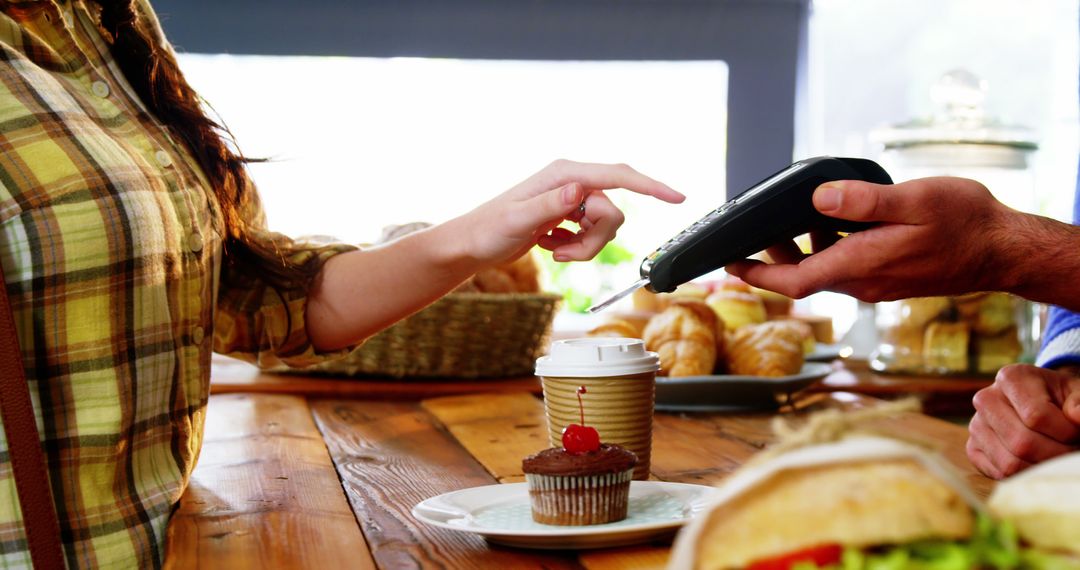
581	283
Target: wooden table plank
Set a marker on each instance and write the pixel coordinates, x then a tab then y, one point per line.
941	396
629	558
392	455
232	376
498	430
264	493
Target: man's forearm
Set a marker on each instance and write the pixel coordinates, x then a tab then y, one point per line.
1039	259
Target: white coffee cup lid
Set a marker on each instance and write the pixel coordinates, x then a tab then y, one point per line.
597	356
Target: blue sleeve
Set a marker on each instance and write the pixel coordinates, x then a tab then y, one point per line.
1061	339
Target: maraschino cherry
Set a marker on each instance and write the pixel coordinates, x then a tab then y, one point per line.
578	439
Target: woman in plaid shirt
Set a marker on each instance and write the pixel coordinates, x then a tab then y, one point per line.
133	245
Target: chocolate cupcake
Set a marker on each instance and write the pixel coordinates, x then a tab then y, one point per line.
579	488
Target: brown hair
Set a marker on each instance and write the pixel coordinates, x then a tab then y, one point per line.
153	72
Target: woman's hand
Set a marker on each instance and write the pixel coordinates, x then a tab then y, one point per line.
529	214
935	236
361	292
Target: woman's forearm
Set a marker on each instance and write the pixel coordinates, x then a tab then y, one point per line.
362	292
359	293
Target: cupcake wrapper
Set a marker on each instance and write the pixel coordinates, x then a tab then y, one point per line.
579	500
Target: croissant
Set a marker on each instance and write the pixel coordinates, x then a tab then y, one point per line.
684	336
616	328
772	348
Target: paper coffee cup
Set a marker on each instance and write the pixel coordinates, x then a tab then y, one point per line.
619	377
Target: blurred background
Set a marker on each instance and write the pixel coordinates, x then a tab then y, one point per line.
380	113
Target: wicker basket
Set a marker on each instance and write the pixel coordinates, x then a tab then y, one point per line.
462	335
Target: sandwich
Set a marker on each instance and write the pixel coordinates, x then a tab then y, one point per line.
867	502
1042	504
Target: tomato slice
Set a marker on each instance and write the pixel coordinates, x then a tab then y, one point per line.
821	555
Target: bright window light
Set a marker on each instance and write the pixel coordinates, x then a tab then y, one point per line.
360	143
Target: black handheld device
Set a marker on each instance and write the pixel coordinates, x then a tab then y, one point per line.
778	208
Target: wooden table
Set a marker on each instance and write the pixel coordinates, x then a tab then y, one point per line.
323	481
941	396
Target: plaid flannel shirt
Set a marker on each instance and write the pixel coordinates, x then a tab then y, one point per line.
111	247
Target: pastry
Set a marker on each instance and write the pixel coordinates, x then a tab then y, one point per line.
822	326
737	308
1043	504
392	232
996	313
494	280
684	336
525	272
902	349
804	330
776	305
945	347
616	328
733	284
579	488
994	352
581	483
918	312
691	290
647	301
766	349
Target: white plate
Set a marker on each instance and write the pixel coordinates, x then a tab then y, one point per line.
501	514
829	352
725	392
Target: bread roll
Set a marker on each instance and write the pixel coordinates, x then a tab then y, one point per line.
521	275
733	284
647	301
822	325
526	273
776	305
494	280
766	349
945	347
994	352
907	348
684	336
918	312
393	232
1043	503
997	312
737	308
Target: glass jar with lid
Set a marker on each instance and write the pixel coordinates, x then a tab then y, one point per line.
981	332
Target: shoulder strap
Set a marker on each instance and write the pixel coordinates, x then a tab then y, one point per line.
24	446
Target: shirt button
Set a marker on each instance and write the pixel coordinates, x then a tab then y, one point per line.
195	242
197	335
100	88
163	158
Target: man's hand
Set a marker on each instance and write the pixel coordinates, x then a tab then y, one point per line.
1028	415
934	236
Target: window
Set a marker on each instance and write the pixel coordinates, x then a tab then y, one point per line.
872	64
360	143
